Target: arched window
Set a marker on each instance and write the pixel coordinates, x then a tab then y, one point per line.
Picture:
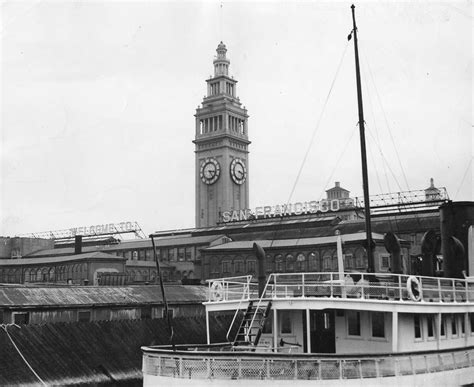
314	261
251	266
360	258
301	262
268	263
290	267
279	263
327	260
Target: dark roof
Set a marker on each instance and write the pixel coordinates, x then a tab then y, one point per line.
279	243
75	296
175	240
59	259
105	353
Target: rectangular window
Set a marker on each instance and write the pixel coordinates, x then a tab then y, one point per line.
417	325
171	256
141	255
188	254
181	254
164	255
149	255
170	311
454	328
471	319
353	323
378	324
326	321
349	261
84	316
430	325
21	318
463	328
285	321
145	313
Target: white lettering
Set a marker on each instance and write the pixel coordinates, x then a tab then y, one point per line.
226	216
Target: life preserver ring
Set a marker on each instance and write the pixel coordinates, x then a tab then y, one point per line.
217	291
414	288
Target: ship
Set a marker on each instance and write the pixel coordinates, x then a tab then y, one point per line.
335	328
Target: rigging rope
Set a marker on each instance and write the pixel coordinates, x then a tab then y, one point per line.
4	327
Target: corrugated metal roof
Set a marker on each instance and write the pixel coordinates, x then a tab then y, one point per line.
242	245
66	296
59	259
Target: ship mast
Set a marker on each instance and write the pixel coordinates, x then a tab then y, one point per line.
363	152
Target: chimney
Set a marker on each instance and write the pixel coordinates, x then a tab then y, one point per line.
78	244
338	184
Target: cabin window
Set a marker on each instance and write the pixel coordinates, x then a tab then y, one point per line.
149	255
267	326
378	324
20	318
417	325
384	262
141	255
84	316
471	319
145	313
285	321
326	321
171	255
430	325
443	326
463	328
170	312
454	330
353	323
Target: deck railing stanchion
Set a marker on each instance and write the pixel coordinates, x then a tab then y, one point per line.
439	291
453	282
302	280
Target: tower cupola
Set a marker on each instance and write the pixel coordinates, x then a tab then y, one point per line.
221	63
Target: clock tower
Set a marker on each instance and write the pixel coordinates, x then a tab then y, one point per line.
221	147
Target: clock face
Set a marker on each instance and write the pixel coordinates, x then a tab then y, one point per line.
238	171
210	170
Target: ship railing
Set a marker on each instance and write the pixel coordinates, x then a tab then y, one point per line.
199	363
232	289
388	286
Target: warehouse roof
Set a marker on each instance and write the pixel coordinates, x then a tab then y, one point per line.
60	259
67	296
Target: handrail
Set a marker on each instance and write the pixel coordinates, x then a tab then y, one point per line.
237	311
244	364
259	303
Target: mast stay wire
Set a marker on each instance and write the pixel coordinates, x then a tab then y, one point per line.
338	160
369	95
464	177
313	135
386	120
4	327
310	144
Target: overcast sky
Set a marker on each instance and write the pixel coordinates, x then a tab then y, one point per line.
98	98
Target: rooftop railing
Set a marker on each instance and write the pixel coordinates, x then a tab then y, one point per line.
196	363
385	286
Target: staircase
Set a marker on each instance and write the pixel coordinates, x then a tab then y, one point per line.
251	325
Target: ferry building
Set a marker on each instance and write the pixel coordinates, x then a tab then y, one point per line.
297	236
